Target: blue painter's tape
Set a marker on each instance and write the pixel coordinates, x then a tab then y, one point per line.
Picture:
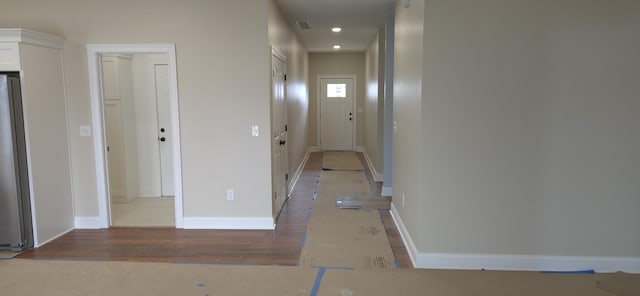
586	271
381	219
310	211
298	263
304	240
200	285
397	264
316	284
5	259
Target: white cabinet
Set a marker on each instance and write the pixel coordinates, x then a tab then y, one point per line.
38	59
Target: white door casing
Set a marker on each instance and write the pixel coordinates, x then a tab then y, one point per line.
279	144
94	53
337	116
164	125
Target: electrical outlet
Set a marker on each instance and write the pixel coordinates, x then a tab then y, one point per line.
403	198
230	194
255	131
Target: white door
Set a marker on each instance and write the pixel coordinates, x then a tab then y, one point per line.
337	117
279	134
115	149
164	125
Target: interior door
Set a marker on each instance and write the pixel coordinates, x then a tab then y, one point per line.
164	129
337	116
115	148
279	134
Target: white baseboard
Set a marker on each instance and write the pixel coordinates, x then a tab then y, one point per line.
404	234
527	262
511	262
314	149
254	223
296	175
88	222
40	244
386	191
376	176
359	149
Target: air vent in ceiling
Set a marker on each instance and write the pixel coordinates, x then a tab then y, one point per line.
302	24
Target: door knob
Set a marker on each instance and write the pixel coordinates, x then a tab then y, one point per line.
162	139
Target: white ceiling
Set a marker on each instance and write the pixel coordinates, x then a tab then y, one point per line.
359	19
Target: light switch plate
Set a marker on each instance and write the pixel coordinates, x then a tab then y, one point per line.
85	131
255	130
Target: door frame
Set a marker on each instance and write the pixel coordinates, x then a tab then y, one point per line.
354	107
94	52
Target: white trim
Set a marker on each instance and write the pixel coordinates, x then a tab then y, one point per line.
296	175
94	222
404	234
358	149
38	245
511	262
93	54
354	107
31	37
386	191
248	223
314	149
527	262
279	54
376	176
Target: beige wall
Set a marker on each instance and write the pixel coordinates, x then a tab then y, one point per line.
526	127
222	81
407	94
374	103
284	39
351	63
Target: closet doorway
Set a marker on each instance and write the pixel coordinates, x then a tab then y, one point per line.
136	97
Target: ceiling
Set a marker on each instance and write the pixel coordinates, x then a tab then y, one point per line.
359	19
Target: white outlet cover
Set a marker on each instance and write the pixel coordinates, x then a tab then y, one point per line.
255	131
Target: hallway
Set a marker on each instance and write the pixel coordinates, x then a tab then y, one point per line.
159	244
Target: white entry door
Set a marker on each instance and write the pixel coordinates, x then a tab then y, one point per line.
278	133
337	117
164	124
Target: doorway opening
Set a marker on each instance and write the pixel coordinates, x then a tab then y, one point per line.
134	103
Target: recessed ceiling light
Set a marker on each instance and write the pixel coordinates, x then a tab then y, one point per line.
336	29
336	46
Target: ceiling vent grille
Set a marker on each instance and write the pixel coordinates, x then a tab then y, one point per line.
302	24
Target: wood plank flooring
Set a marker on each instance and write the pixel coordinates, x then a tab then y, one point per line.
158	244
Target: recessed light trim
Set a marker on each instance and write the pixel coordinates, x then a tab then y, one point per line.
336	29
336	46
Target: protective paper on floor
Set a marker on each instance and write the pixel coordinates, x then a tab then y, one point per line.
68	278
463	282
340	238
341	161
8	254
71	278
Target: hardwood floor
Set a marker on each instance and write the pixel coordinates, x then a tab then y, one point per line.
159	244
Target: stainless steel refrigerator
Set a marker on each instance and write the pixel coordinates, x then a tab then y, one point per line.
16	231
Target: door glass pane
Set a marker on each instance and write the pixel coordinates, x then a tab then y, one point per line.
336	90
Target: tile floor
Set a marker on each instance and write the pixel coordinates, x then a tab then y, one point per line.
144	211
